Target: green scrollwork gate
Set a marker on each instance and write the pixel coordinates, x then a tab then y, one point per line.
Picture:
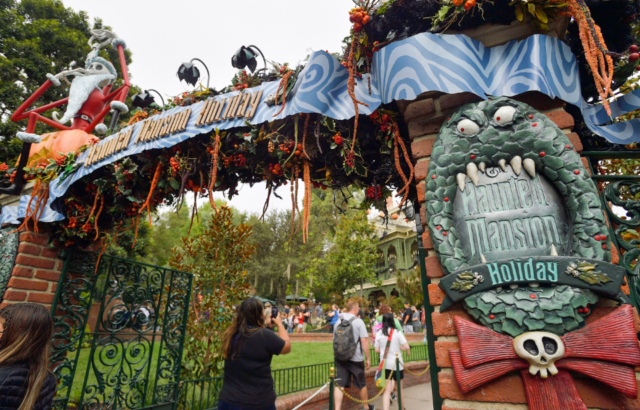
118	333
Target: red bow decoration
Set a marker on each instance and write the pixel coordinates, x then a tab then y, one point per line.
606	350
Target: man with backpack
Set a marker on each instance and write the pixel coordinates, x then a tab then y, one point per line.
350	348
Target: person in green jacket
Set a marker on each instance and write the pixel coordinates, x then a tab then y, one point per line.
386	309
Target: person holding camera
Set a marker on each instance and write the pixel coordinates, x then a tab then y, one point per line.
248	347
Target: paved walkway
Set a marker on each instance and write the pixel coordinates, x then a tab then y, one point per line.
413	398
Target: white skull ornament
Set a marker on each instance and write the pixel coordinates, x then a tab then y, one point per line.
541	350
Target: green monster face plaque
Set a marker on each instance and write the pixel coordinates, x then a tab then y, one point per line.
516	222
512	214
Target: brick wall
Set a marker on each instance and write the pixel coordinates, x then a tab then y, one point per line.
424	118
37	270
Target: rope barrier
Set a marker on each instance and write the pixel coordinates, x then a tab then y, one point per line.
365	401
312	396
417	374
380	393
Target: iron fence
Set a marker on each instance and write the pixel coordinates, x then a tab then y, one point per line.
202	394
199	394
295	379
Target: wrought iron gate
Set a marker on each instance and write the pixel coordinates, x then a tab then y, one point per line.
628	246
118	333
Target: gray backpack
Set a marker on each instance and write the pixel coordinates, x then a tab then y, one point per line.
344	345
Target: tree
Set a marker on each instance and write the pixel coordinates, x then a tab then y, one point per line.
218	259
410	286
279	265
39	37
170	226
279	257
122	245
351	258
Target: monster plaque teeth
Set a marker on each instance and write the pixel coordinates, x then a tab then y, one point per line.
472	173
482	258
554	252
460	178
530	167
503	165
516	165
482	166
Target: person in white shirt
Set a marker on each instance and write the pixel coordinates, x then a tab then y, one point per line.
398	343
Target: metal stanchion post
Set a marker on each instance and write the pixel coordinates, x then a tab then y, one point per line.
398	382
332	379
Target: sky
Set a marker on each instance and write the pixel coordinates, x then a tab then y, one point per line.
163	34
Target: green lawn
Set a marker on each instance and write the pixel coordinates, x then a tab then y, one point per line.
303	353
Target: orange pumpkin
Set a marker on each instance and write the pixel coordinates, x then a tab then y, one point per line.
55	142
394	216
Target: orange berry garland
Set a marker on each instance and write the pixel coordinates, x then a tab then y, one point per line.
595	50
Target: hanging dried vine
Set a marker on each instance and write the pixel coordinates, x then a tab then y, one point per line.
397	140
95	222
296	180
352	66
214	169
293	204
154	182
307	201
595	50
304	135
266	204
38	192
194	211
283	85
135	236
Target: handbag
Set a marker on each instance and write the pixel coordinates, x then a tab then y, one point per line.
379	378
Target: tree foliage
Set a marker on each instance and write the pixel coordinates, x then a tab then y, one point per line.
39	37
218	259
123	245
410	286
351	257
280	258
170	227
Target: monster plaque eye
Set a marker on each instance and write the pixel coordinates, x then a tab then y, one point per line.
467	127
504	115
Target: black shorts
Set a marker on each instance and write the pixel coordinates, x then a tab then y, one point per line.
387	372
347	370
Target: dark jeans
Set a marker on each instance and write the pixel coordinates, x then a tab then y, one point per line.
225	406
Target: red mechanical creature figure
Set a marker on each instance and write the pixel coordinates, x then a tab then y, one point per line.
90	100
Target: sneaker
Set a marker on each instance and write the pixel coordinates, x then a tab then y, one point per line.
393	396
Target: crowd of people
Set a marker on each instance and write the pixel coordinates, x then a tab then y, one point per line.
252	340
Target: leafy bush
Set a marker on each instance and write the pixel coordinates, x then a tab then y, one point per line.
217	258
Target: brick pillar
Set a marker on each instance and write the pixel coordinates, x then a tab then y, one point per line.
36	272
424	118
